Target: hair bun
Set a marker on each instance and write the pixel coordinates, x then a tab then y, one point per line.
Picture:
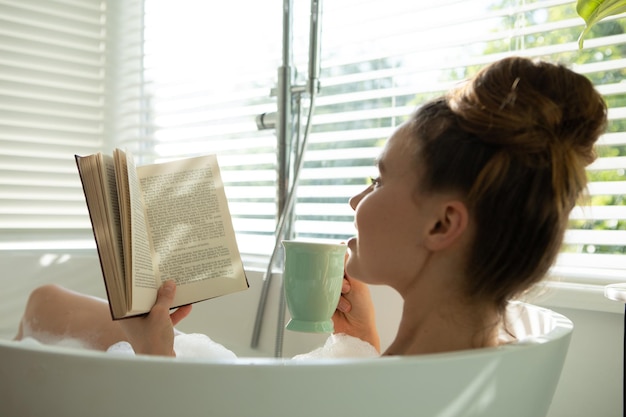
533	109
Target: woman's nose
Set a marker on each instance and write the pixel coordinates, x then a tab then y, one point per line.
354	200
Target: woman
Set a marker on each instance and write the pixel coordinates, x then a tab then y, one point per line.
468	212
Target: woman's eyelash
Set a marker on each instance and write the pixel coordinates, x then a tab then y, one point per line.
374	181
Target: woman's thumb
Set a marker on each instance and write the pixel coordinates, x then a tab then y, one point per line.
166	293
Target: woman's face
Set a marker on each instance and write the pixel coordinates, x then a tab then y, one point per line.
390	221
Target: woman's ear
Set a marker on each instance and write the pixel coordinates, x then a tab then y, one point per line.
449	225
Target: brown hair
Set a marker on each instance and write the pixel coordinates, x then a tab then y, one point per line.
514	141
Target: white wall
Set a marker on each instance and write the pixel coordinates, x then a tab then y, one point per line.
591	382
590	386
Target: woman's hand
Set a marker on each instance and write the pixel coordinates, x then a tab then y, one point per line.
355	315
153	334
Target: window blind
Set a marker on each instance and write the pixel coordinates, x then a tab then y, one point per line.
187	79
52	88
379	62
205	82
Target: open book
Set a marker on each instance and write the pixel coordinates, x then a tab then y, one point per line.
157	222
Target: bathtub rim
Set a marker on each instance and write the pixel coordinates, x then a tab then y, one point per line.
562	327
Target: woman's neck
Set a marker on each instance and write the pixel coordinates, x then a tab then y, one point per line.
434	324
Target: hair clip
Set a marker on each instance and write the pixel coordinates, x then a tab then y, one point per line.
510	98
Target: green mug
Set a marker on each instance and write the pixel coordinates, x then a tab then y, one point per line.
312	278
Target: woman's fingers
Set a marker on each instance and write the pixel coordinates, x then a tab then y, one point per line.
345	286
344	305
180	313
165	295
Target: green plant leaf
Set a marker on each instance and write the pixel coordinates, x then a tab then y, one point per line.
592	11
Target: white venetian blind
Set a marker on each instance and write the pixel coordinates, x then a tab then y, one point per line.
195	79
205	83
381	61
52	87
208	72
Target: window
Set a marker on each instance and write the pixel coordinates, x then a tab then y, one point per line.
194	81
52	105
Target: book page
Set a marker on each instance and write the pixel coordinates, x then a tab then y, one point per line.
190	226
140	272
97	174
113	211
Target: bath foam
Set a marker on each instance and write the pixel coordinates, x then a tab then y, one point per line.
341	346
65	342
196	345
121	348
192	345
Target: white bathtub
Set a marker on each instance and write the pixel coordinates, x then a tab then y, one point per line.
514	380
